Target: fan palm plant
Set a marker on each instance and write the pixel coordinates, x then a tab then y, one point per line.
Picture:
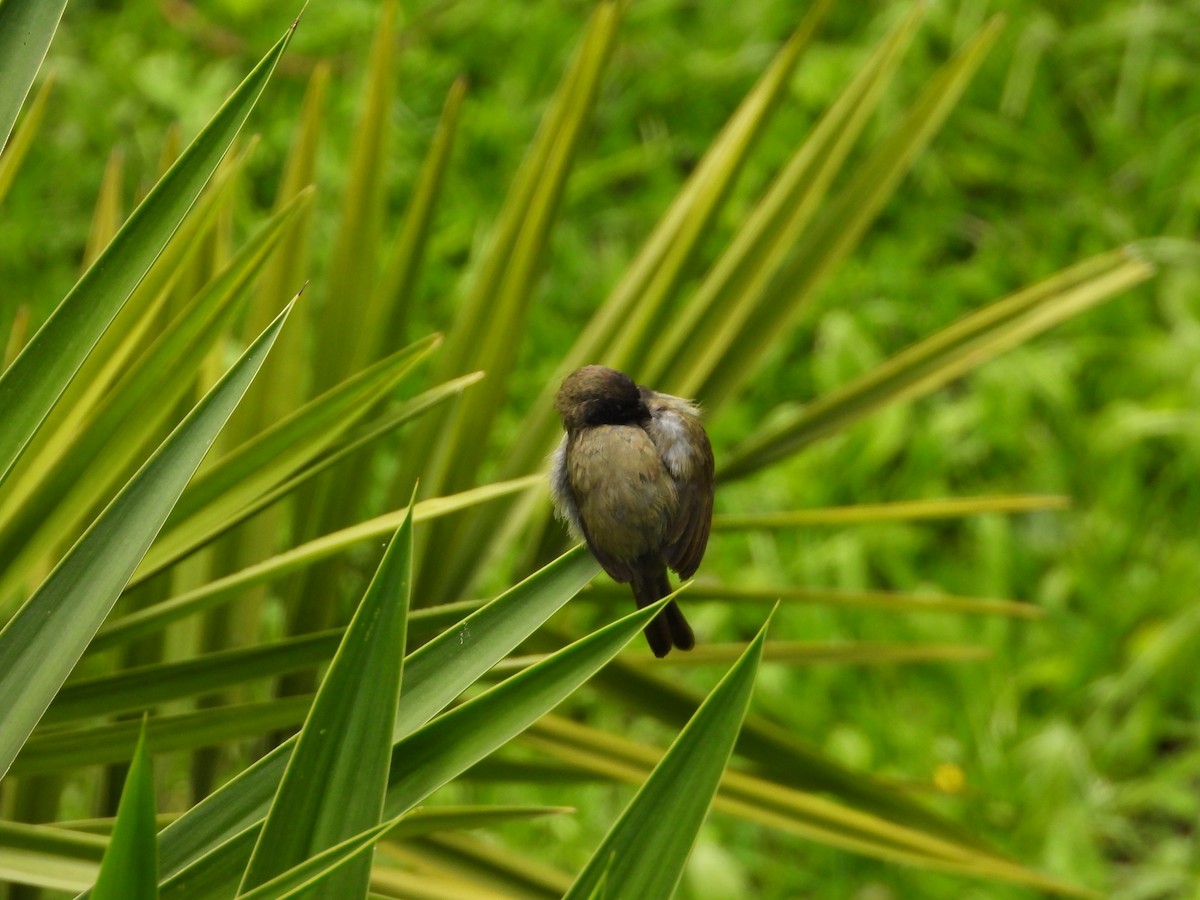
157	558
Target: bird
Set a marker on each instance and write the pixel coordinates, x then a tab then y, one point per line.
633	477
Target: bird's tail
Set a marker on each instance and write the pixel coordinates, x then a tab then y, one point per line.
669	628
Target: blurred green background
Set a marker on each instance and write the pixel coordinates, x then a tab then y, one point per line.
1075	746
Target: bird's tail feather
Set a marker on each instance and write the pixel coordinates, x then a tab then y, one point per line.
669	628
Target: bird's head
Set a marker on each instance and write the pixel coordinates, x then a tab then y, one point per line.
598	395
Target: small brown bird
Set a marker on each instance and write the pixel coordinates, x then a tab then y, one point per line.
633	477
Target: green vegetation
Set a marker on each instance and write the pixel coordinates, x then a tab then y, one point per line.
903	259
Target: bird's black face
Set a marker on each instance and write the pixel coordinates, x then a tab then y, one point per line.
619	410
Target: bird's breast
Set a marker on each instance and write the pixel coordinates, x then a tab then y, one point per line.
625	497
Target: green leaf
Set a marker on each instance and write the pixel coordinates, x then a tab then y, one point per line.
49	857
893	601
861	653
150	685
129	870
600	890
389	314
431	819
316	869
22	139
901	511
188	540
353	261
334	784
281	388
949	353
780	807
303	434
434	754
59	749
779	754
641	855
340	342
225	490
108	214
431	884
421	821
26	29
135	326
378	427
681	353
46	513
486	336
869	653
223	589
33	383
839	227
431	681
443	668
45	638
490	866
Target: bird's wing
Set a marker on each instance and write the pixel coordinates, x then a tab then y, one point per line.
695	518
686	453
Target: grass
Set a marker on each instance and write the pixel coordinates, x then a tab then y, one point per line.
1075	742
